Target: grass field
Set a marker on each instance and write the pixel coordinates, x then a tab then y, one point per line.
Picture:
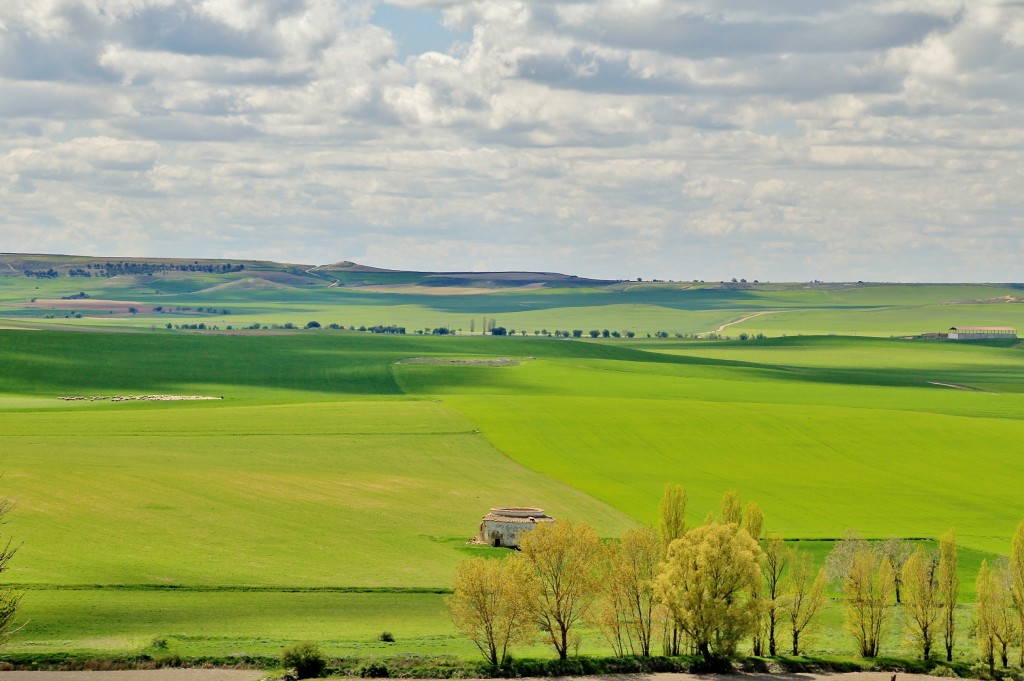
331	479
269	293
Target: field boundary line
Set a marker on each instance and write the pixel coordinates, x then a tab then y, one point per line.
206	588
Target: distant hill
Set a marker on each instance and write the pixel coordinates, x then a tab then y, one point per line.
344	273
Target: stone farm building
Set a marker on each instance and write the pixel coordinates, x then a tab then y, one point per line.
981	332
503	526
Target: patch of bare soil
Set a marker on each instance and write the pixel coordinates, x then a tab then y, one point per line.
166	674
88	304
490	362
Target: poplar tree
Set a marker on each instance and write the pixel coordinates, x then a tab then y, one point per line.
562	561
898	551
626	617
984	615
1017	581
867	591
707	582
754	524
1005	628
489	604
672	522
754	521
806	595
732	511
672	514
921	599
949	588
776	559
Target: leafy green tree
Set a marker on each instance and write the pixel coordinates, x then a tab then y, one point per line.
732	511
984	615
672	525
709	578
1017	581
776	560
994	616
562	563
305	658
867	591
805	597
921	601
489	606
949	588
898	551
754	521
626	615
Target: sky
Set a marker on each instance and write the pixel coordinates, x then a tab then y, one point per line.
841	140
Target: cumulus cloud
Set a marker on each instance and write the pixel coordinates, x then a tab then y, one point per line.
599	137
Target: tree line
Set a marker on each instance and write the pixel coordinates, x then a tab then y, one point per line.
709	588
113	269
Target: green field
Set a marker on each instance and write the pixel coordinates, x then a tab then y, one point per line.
332	479
331	491
272	293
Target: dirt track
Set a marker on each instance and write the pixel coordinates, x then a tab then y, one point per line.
140	675
252	675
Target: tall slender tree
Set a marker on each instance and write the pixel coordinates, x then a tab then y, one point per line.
732	510
949	588
1017	581
754	524
562	559
754	521
776	559
1005	627
490	606
806	595
898	551
985	614
867	591
626	616
672	514
921	602
672	522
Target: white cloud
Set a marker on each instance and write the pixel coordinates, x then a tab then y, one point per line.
593	136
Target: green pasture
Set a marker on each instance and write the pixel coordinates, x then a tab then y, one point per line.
333	478
881	321
362	493
292	296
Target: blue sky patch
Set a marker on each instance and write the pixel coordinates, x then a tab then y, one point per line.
416	30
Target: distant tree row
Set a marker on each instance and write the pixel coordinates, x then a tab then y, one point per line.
113	269
707	589
42	274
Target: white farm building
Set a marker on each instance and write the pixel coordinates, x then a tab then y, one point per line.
981	332
503	526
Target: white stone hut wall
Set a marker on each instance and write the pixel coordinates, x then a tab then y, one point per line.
506	533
